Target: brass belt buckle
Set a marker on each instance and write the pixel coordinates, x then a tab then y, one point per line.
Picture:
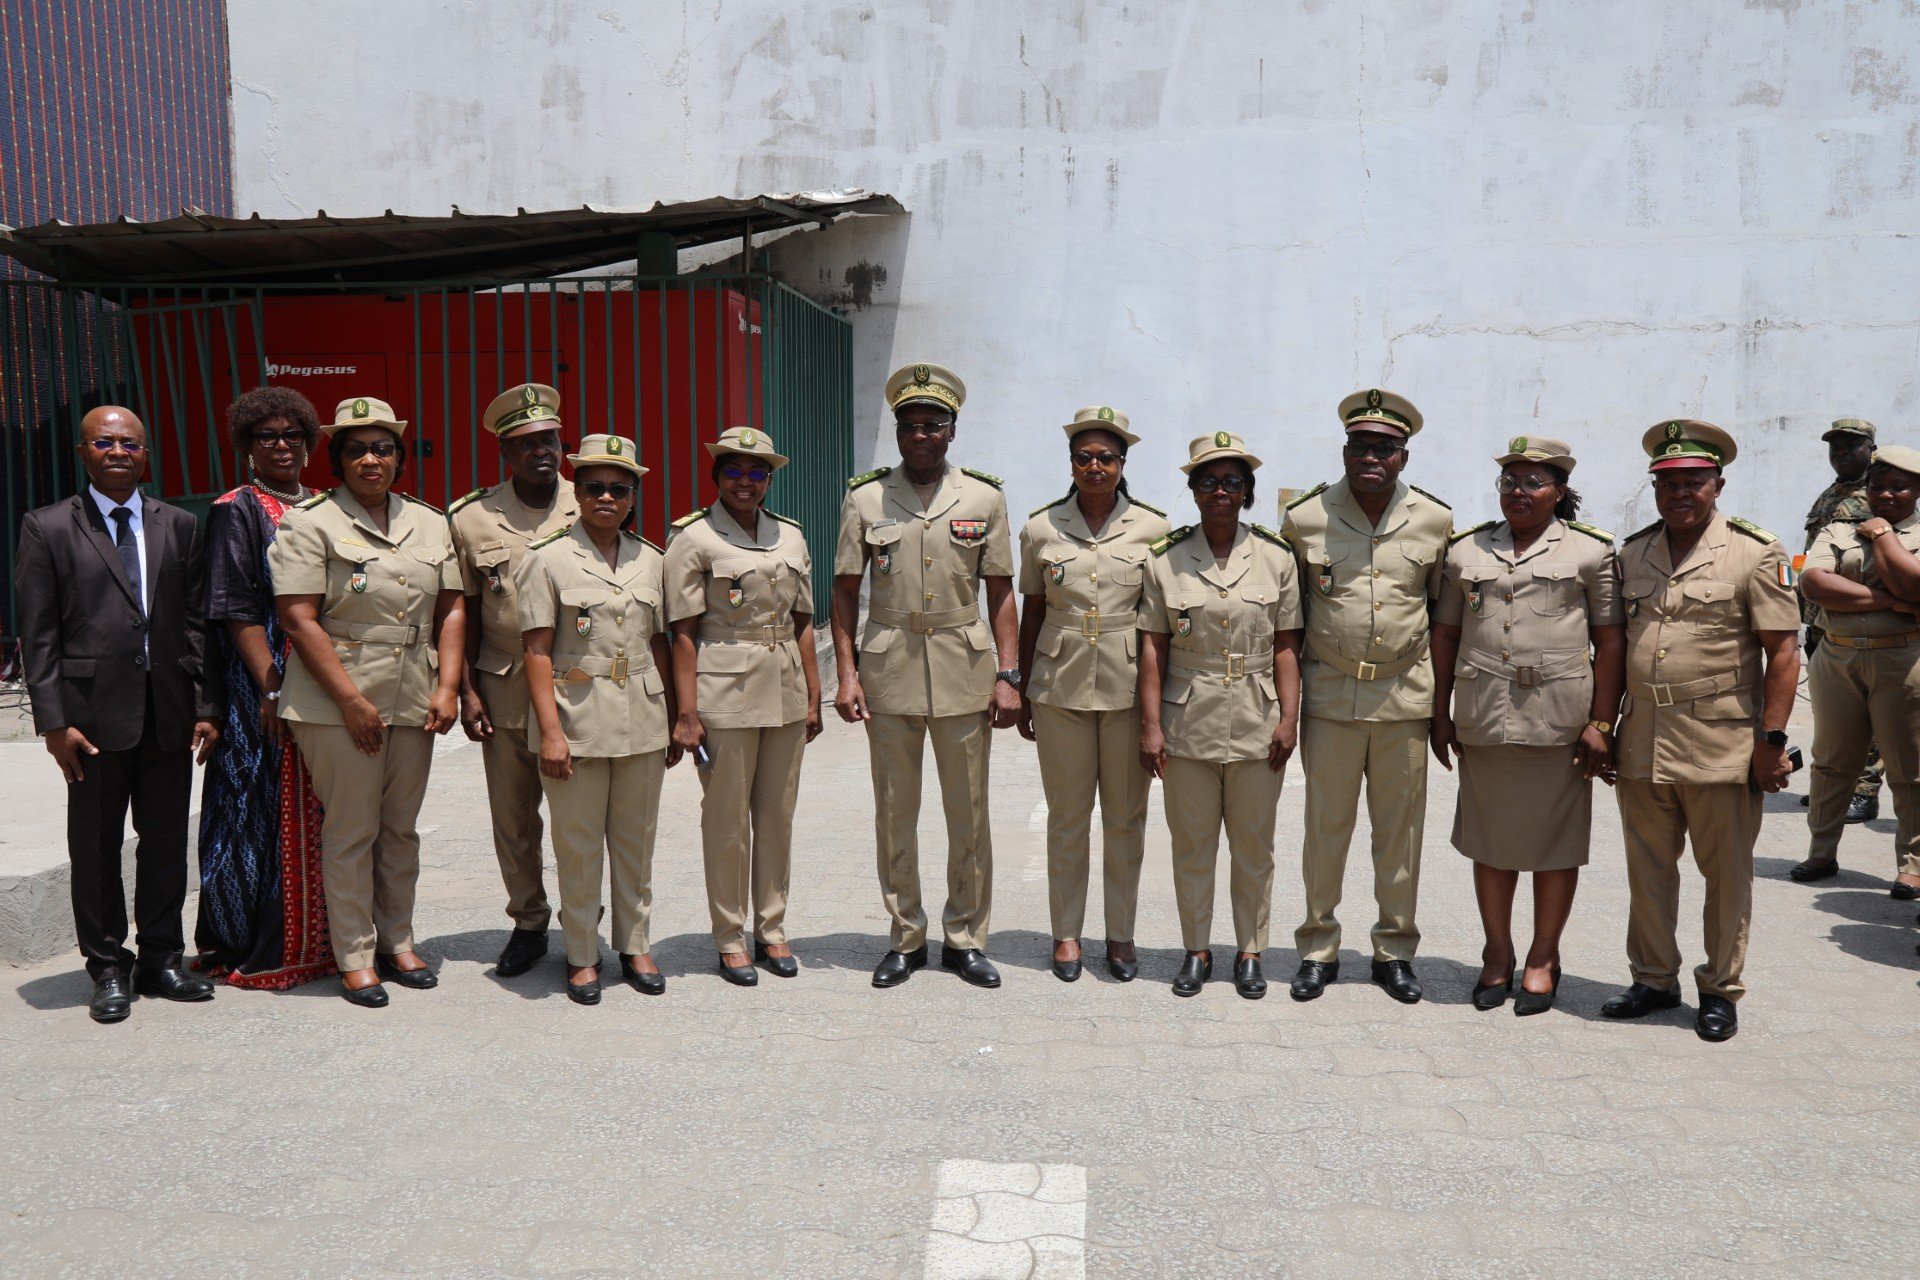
1367	671
1236	666
1090	624
1529	677
1663	695
619	672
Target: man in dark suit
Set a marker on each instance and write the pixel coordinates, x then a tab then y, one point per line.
110	595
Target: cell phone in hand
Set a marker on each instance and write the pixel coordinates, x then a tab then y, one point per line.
702	758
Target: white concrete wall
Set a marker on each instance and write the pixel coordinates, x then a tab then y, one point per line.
1561	217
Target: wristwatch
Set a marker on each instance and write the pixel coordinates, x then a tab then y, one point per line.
1773	737
273	695
1011	677
1604	726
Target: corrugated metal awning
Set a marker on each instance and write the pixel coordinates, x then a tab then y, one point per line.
196	249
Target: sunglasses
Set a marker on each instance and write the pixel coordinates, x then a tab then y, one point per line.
1384	450
275	439
1682	484
1531	484
103	445
1084	458
354	450
759	475
618	490
922	428
1215	484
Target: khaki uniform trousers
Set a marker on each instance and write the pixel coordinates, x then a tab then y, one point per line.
1392	756
1200	796
1862	697
961	747
610	805
1082	752
513	795
369	835
746	829
1723	820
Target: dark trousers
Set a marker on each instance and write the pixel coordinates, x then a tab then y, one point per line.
159	787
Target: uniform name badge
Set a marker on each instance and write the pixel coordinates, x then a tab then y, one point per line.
967	530
1183	626
1056	574
736	594
358	581
583	625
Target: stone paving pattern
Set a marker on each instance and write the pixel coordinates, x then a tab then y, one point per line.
492	1128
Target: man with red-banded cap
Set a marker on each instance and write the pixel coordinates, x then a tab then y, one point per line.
1713	661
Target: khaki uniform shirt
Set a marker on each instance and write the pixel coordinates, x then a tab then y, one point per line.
1525	672
745	589
611	697
491	530
1694	662
1367	593
1219	702
926	650
1087	654
1839	550
1844	501
378	592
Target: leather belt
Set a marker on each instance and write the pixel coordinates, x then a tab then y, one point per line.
1665	695
376	632
1564	667
585	667
771	634
1870	642
1368	670
925	624
1231	665
1092	624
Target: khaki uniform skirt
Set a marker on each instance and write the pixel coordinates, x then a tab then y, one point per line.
1523	808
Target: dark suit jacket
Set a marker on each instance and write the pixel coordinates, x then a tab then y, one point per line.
81	632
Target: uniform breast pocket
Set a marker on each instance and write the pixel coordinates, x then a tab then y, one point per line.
352	571
726	676
731	584
583	611
645	602
493	567
884	546
1475	583
1185	615
1063	575
1554	589
1257	601
1638	597
1129	564
1415	564
1706	607
1327	570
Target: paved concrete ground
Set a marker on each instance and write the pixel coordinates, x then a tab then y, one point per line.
818	1128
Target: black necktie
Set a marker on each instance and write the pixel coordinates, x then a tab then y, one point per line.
129	552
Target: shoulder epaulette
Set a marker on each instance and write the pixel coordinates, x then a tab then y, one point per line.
1145	506
555	536
1640	533
995	481
1751	529
314	501
1468	533
783	519
1311	493
1590	531
1049	506
692	517
468	499
1261	531
1429	497
628	532
1159	545
868	478
418	502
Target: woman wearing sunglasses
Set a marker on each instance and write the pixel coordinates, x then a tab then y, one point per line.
1082	561
1527	707
599	686
740	598
369	594
1221	627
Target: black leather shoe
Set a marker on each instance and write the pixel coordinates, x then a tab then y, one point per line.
373	997
523	950
1396	978
647	984
422	979
112	999
1247	978
1814	869
1716	1021
897	966
587	992
1491	995
1859	809
1639	1000
1313	977
1122	970
778	966
1068	970
170	982
1194	973
1527	1003
740	975
972	965
1903	892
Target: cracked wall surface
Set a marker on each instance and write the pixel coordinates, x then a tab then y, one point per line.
1570	220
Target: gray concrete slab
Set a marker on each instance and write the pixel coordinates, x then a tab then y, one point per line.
820	1128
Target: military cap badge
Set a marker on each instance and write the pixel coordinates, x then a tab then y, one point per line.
1373	397
1105	414
361	409
1221	440
748	438
1517	445
922	374
613	446
1675	431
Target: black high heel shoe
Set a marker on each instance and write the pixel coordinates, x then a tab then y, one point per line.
1122	970
1526	1003
778	966
1491	995
587	992
373	997
647	984
421	979
740	975
1066	970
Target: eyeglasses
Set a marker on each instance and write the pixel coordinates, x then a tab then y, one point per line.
922	428
1682	484
618	490
1531	484
1214	484
1383	450
275	439
354	450
1084	458
106	444
759	475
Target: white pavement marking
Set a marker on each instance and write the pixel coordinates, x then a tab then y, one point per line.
1008	1222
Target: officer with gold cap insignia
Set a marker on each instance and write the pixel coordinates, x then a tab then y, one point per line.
1371	549
600	686
491	530
931	535
1712	669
